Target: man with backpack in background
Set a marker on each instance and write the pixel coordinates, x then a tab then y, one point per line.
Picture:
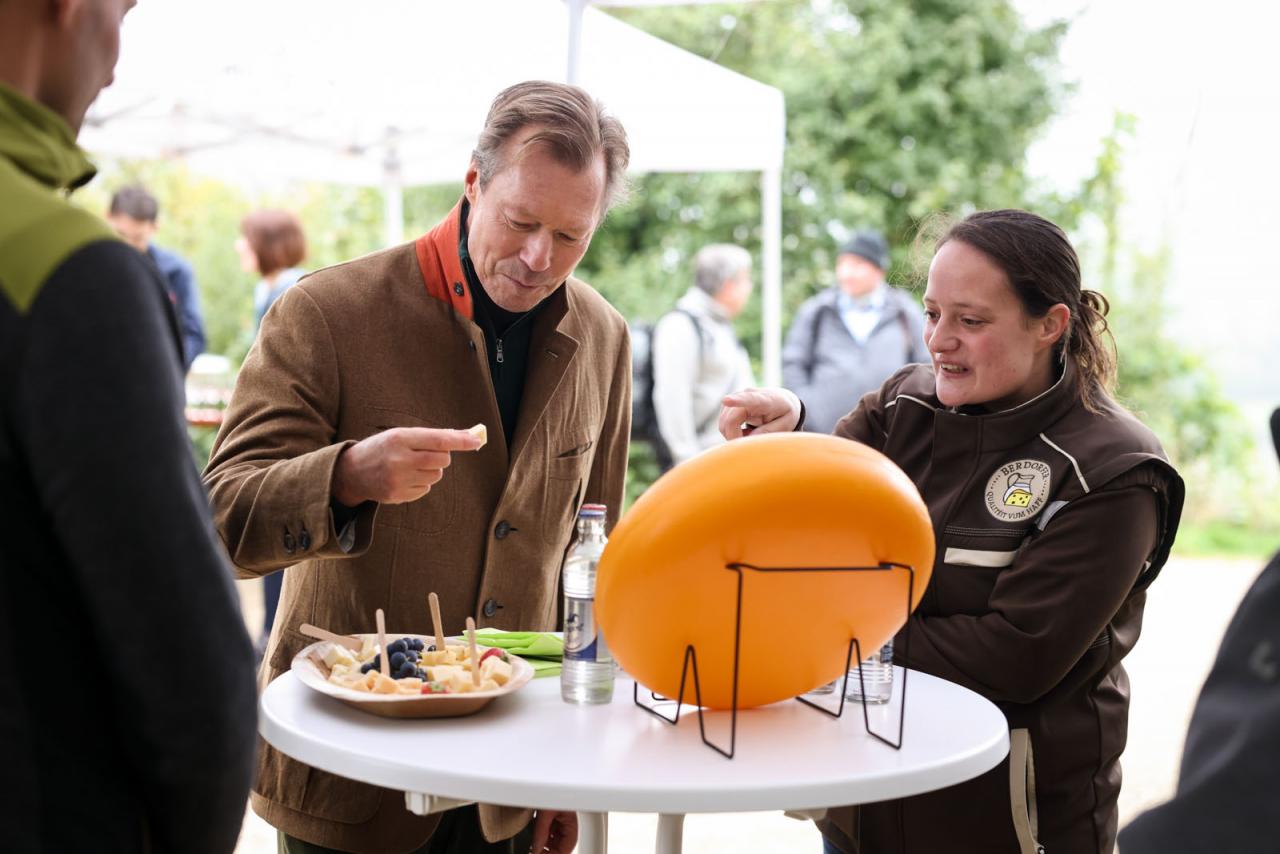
695	358
848	339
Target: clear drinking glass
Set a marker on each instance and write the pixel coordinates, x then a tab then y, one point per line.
877	677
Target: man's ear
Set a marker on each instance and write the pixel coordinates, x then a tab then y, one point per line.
471	183
1054	325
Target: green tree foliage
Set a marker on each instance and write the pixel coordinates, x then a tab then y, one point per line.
894	110
1165	383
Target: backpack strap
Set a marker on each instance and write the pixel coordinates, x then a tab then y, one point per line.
702	353
697	331
814	325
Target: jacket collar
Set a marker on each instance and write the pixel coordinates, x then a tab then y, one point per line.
700	302
40	142
1010	428
877	299
441	265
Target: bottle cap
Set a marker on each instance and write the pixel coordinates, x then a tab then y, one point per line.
592	510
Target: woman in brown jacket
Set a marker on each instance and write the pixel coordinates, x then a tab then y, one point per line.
1053	509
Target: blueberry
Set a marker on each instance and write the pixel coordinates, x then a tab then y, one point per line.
366	667
411	655
395	646
418	644
420	673
431	648
405	671
397	659
376	664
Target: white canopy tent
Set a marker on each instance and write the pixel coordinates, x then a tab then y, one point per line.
393	93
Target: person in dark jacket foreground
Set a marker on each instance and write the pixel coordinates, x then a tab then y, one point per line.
128	703
1053	509
1226	797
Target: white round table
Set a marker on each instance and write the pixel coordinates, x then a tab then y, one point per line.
532	749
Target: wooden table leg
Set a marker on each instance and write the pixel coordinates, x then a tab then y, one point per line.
670	833
593	833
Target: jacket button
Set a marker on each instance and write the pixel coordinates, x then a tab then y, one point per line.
500	531
457	288
304	540
491	607
289	545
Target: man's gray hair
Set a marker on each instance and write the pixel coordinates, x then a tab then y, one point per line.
718	263
574	129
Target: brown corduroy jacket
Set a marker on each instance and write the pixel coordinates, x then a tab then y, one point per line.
387	341
1050	520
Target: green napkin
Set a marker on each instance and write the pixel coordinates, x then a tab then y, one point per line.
543	667
541	649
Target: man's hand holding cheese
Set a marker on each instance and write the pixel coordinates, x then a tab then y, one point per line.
399	465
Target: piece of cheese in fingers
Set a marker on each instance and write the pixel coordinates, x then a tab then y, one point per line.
480	433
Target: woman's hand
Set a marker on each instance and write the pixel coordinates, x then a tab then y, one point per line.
759	410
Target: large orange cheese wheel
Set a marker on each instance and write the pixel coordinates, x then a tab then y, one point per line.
793	500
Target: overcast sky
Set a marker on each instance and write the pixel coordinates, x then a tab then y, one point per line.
1202	173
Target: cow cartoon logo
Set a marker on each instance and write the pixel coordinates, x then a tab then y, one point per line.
1017	490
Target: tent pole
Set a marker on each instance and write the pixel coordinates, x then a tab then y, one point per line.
771	259
576	8
392	199
393	212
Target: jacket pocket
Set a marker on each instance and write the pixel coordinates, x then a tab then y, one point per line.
568	467
1022	792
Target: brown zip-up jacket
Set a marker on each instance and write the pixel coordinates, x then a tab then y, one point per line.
1051	521
387	341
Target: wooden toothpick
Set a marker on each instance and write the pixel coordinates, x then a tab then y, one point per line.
475	656
324	634
435	620
382	644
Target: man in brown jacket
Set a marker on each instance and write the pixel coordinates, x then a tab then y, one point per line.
331	459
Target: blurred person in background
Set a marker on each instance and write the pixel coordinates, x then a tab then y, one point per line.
848	339
133	214
128	708
697	357
1053	510
272	245
1230	776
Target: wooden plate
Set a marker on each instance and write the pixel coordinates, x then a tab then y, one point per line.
407	705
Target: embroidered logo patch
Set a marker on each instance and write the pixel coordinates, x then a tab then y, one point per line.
1018	490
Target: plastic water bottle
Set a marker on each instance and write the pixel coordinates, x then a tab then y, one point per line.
586	675
877	677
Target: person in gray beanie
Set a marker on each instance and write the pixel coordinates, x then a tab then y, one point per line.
848	339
